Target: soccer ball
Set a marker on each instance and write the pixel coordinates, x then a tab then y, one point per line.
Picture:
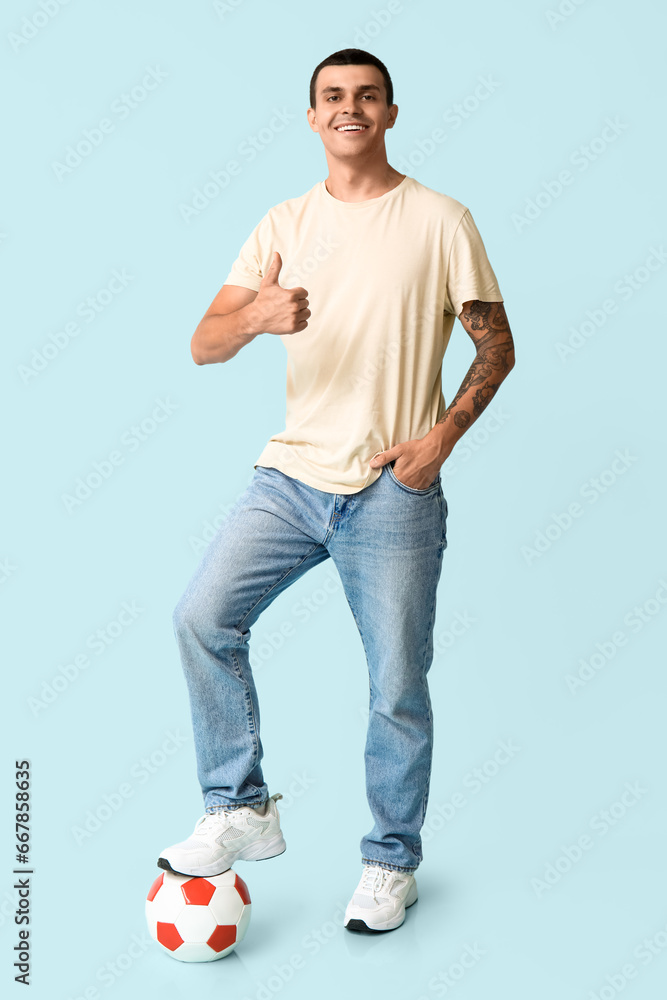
198	919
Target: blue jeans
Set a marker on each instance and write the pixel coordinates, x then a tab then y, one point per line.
387	542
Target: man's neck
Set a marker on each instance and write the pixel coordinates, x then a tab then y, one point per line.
355	185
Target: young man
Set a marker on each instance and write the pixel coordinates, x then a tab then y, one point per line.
355	474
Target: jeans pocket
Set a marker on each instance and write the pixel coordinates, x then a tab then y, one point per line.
435	485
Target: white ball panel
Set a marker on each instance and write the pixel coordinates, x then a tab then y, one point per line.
196	923
226	905
169	900
226	879
244	920
151	919
191	952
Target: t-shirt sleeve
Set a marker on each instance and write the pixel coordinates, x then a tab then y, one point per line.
469	273
254	258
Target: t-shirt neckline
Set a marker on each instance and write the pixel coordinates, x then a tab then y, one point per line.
381	199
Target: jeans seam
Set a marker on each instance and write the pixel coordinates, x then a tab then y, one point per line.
383	864
269	589
363	643
218	809
248	700
361	634
429	632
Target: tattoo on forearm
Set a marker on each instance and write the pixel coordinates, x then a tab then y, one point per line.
491	364
483	397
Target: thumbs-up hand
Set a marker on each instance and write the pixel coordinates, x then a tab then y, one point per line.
278	309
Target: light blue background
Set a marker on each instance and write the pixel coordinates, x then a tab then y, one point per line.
559	424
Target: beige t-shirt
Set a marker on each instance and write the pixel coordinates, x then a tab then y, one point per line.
385	280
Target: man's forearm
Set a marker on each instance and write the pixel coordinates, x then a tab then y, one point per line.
221	336
483	379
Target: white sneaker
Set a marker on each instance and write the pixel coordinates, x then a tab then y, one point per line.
380	899
219	839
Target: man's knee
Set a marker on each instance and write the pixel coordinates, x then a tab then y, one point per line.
184	617
207	624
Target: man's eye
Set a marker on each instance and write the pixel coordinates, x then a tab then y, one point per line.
335	96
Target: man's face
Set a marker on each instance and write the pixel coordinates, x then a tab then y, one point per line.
351	95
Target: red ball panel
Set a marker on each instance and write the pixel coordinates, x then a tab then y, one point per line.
242	889
222	937
168	936
198	891
152	892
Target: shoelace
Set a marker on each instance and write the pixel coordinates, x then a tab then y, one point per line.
374	879
205	823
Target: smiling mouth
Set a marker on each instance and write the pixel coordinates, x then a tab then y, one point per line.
352	128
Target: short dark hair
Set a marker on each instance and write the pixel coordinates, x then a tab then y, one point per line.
353	57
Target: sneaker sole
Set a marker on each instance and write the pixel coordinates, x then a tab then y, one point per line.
355	924
262	852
